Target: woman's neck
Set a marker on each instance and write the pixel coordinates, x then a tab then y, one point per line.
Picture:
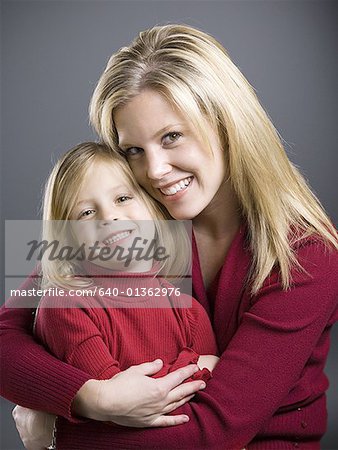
221	217
215	229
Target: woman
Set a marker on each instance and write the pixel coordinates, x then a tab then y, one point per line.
265	258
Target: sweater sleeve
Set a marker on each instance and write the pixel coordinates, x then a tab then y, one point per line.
72	335
30	376
201	341
186	356
262	363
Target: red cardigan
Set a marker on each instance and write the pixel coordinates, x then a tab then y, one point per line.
267	391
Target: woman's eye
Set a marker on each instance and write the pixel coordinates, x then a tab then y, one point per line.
132	152
171	137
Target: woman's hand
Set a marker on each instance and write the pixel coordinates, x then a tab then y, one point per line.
34	427
133	398
208	361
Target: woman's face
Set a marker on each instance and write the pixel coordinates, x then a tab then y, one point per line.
168	157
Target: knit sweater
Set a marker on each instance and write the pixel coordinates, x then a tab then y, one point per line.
105	333
268	389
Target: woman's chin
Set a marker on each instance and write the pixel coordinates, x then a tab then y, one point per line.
180	214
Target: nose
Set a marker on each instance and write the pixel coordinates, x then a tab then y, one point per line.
106	222
107	216
157	164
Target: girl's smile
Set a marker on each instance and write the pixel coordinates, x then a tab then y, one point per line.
117	236
108	214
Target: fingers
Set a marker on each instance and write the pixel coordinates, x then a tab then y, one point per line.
148	368
182	394
172	406
177	377
185	390
169	421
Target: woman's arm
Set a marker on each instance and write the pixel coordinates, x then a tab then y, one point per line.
258	369
30	376
36	427
74	336
263	362
33	378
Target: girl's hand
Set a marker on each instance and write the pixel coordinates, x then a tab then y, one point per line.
208	361
34	427
132	398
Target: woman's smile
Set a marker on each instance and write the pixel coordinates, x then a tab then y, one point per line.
168	157
174	188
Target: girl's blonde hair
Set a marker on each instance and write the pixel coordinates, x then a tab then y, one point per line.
194	72
60	197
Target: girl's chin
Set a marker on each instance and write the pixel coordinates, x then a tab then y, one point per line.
121	267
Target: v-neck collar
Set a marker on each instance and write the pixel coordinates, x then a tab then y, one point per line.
232	278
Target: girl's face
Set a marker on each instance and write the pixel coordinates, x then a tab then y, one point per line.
167	156
108	213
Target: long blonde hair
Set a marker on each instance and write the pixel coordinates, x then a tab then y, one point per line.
61	193
194	72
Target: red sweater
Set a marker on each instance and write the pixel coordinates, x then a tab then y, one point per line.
105	333
267	391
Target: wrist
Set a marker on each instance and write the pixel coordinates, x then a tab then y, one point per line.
94	400
201	362
208	362
85	403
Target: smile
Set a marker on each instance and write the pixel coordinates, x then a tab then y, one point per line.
180	186
117	237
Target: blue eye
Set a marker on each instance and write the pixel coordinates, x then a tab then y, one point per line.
171	137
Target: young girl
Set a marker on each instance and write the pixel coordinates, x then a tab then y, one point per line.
111	316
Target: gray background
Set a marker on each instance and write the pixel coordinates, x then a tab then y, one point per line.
54	51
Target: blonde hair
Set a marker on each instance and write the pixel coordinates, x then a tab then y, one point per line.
194	72
61	193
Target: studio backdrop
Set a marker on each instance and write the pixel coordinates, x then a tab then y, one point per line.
53	53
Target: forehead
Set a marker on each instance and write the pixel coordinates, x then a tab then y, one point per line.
104	171
144	115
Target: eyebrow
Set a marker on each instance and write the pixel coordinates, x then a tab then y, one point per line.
115	188
158	133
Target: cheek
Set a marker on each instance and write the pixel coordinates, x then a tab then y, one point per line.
85	233
147	219
147	225
138	170
149	231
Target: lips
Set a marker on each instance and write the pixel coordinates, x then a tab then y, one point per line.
179	186
115	237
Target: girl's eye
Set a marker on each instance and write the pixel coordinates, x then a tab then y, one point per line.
132	152
86	213
123	198
171	137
